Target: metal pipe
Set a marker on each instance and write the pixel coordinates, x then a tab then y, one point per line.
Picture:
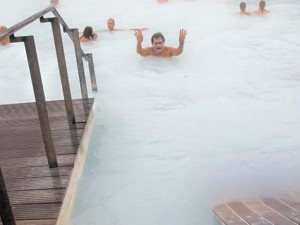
62	67
80	65
25	22
89	57
39	97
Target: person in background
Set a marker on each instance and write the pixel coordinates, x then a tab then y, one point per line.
5	40
162	1
54	2
88	35
111	26
158	47
243	9
262	8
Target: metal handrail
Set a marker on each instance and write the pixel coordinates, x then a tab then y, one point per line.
65	27
25	22
36	16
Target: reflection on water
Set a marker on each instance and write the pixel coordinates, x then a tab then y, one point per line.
175	136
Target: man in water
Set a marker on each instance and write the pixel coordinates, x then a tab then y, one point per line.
5	40
111	26
54	2
243	9
261	9
158	48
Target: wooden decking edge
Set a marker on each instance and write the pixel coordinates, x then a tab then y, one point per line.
69	199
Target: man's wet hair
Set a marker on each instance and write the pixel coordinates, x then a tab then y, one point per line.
262	4
88	32
112	19
157	35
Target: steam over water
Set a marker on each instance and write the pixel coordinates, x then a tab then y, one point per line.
173	137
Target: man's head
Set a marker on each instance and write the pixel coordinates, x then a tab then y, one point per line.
243	6
158	41
2	29
262	5
111	24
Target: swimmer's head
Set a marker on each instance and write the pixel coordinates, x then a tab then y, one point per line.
243	6
158	42
2	29
111	24
262	5
88	32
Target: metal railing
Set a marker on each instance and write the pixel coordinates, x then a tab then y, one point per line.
36	74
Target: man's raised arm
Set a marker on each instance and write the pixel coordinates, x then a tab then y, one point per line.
139	38
179	50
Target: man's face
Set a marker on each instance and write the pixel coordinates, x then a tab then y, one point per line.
158	44
110	24
243	7
2	29
262	5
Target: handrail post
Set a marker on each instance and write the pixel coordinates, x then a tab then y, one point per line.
39	96
62	66
89	58
6	213
80	65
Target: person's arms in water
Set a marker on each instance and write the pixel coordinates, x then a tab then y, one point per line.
144	28
179	50
139	39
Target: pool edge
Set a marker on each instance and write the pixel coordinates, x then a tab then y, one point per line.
69	199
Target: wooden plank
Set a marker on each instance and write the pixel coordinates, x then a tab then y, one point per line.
30	172
28	110
63	160
12	125
36	211
247	214
36	196
36	183
227	216
291	202
283	209
36	151
263	210
36	222
37	143
23	134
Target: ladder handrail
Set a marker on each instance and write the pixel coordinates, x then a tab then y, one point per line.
36	16
25	22
65	26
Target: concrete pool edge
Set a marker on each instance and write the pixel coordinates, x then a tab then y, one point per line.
69	199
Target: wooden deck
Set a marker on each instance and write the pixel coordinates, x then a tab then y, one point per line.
35	191
263	211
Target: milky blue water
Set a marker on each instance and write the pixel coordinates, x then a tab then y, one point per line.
174	137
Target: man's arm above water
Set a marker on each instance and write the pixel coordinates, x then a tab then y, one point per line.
139	49
179	50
